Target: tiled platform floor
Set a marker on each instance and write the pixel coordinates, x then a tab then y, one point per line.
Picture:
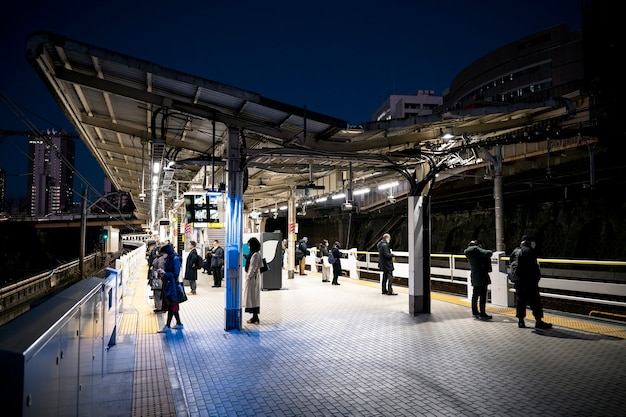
323	350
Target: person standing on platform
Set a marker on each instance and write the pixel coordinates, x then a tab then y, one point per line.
252	292
526	276
385	264
326	267
206	264
217	263
285	246
301	256
169	274
194	262
480	264
157	282
335	261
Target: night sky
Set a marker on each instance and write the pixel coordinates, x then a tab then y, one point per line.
339	58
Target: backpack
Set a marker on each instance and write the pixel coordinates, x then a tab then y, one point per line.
331	258
514	261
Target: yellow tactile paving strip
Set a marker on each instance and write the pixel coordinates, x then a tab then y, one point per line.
152	391
562	321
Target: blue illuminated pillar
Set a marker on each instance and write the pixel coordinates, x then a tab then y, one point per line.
234	232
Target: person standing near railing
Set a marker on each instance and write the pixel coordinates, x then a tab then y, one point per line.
525	276
385	264
480	263
323	254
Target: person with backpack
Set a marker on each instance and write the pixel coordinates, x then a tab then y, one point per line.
301	253
525	275
322	253
480	264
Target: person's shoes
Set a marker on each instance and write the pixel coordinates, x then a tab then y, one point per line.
178	326
540	324
192	293
476	316
214	286
253	321
392	293
521	324
165	329
385	293
485	317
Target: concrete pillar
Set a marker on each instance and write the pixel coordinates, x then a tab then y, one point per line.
419	254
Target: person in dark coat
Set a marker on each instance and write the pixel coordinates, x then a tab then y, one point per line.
302	251
194	262
169	275
385	264
527	285
337	264
480	264
217	263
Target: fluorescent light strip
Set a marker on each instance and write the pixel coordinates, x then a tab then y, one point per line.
388	185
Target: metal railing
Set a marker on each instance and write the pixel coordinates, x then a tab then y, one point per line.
16	298
591	281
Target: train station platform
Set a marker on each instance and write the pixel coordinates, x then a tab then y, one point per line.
348	350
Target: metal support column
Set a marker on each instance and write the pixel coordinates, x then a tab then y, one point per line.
419	254
291	234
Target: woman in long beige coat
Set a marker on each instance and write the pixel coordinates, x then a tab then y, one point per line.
252	292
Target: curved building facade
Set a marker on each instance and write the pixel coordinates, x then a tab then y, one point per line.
538	67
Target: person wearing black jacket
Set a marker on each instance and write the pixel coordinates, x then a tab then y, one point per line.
337	263
304	252
194	262
480	264
385	264
217	263
527	283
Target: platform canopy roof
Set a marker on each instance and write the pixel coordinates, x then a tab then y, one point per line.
132	114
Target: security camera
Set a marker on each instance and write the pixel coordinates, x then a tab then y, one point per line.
142	197
391	199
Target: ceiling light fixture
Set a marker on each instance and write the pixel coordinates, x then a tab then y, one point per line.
388	185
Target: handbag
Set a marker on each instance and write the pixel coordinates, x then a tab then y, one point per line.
156	283
264	267
180	293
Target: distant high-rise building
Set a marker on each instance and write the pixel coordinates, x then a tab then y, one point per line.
51	183
3	186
